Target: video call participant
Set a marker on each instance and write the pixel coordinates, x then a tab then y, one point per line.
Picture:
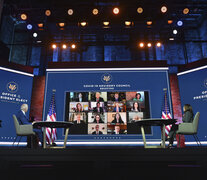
117	130
116	97
138	97
22	118
79	126
79	108
98	119
117	119
98	98
116	107
136	107
98	108
80	98
97	130
79	120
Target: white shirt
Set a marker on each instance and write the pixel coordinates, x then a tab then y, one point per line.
23	112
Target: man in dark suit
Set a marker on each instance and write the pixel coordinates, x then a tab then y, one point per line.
116	97
79	126
98	98
78	120
97	130
22	118
117	130
98	108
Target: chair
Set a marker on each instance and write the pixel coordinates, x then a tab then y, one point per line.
190	128
22	130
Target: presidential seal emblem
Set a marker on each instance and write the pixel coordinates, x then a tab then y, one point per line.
12	87
106	78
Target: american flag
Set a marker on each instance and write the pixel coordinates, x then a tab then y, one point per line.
51	135
166	113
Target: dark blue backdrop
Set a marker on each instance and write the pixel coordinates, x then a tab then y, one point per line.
15	89
193	90
151	80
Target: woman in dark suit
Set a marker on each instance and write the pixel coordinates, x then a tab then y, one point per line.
98	119
117	119
187	118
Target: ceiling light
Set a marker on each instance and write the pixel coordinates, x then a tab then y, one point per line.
48	12
116	10
70	12
180	23
140	10
158	44
23	17
95	11
163	9
186	11
29	26
175	31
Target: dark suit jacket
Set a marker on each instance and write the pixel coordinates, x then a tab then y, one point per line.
22	118
188	117
95	109
81	122
94	132
100	99
115	121
116	100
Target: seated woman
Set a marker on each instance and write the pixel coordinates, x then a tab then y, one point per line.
187	118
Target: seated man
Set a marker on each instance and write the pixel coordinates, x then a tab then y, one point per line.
22	118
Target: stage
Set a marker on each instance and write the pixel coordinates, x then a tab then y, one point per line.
105	162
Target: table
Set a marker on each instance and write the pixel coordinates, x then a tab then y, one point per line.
51	124
155	122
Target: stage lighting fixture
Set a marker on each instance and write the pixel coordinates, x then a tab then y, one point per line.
29	26
141	45
149	45
128	23
47	12
95	11
116	10
23	17
73	46
175	31
180	23
158	44
186	11
64	46
140	10
163	9
149	23
106	23
70	12
54	46
171	39
83	23
35	34
62	24
40	25
170	21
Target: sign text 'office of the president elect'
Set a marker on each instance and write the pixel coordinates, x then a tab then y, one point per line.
15	90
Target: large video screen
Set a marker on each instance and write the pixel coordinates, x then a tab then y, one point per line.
106	113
